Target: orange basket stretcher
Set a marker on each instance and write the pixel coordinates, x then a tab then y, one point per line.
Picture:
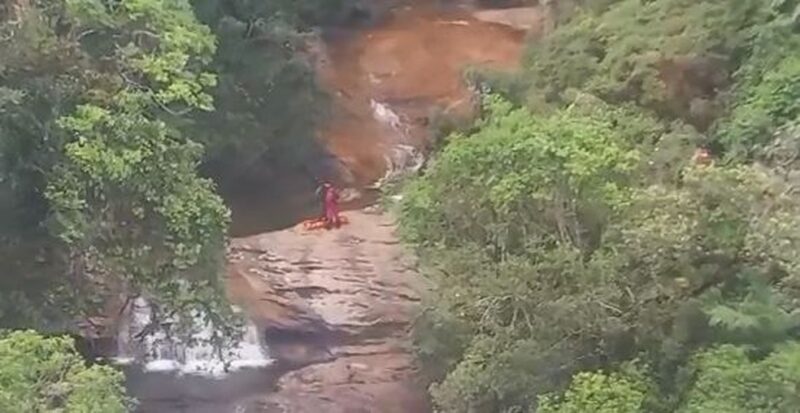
322	223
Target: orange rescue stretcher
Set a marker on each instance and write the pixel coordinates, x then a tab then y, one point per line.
321	223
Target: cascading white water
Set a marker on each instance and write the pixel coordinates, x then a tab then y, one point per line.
158	353
386	116
402	157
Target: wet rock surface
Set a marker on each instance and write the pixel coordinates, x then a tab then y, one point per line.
336	308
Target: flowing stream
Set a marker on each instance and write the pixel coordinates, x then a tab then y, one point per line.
401	157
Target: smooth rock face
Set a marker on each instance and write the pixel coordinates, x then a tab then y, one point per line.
336	308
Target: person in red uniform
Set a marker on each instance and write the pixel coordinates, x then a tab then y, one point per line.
330	198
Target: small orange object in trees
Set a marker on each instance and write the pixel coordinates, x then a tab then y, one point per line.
701	157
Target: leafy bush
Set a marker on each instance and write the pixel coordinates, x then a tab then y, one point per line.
522	180
618	53
569	239
267	101
767	95
597	392
46	375
728	379
101	190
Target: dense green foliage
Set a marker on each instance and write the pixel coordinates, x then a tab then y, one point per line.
268	104
529	181
625	51
101	194
766	96
267	101
107	110
571	236
727	379
597	392
41	374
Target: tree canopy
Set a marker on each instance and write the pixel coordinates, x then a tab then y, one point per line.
583	259
42	374
101	190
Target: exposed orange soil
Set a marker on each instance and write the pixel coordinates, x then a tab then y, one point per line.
413	62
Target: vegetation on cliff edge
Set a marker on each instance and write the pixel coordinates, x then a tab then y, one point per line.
583	259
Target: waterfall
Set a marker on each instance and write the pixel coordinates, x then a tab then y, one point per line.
386	116
157	352
402	158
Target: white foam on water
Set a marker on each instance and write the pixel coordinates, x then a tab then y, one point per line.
158	353
402	158
385	115
162	365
